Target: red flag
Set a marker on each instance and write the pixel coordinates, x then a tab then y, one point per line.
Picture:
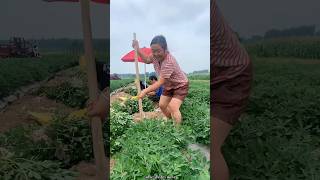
96	1
129	57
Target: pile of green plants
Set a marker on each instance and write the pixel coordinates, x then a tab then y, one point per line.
15	167
121	119
27	155
67	94
131	91
72	140
23	143
131	106
119	123
157	148
62	144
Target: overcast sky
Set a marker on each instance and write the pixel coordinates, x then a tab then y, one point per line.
37	19
184	23
249	17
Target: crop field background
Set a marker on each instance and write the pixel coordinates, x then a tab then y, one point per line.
116	84
298	47
279	135
17	72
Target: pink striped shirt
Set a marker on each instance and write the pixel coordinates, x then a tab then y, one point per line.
226	49
170	70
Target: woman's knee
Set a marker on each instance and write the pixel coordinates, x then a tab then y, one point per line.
216	149
220	131
173	108
163	106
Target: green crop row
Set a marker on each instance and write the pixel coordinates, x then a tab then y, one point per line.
116	84
287	47
278	137
17	72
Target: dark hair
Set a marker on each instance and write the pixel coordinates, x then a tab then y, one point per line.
142	85
153	78
161	40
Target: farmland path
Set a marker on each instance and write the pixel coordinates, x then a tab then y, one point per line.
17	112
202	148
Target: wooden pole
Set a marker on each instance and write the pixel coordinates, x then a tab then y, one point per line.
145	76
137	76
96	127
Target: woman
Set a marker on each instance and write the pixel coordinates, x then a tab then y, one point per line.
230	86
173	79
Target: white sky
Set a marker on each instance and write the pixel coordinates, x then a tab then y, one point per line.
38	19
184	23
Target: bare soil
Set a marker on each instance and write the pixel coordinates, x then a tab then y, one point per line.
17	113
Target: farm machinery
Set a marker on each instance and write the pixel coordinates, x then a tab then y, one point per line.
18	47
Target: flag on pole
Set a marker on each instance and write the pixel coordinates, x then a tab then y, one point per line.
96	1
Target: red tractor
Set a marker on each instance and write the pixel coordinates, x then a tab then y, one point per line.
18	47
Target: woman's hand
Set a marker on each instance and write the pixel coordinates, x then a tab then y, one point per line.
135	44
142	94
151	93
146	59
98	108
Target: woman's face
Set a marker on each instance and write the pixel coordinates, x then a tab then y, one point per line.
158	52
